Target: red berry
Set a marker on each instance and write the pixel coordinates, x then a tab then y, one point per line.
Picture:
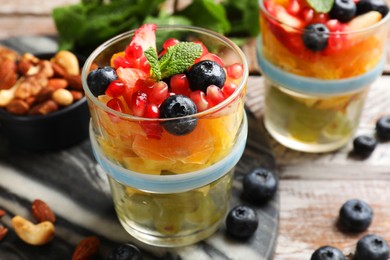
179	84
170	42
138	103
213	57
116	104
214	95
152	111
235	71
229	88
115	88
158	93
133	52
200	100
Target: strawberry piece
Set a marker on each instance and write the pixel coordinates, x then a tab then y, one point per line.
130	77
145	36
200	100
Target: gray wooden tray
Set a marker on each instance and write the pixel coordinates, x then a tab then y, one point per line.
72	183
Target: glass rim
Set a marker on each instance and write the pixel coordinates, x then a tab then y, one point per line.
128	34
383	21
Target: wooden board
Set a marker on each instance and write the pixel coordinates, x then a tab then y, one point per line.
73	184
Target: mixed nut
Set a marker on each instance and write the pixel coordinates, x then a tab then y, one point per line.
33	86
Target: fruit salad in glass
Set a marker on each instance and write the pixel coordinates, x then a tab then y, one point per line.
319	59
168	126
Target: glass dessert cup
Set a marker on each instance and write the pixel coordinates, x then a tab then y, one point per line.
314	99
170	190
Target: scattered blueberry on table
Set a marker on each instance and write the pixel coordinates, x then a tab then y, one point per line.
355	215
242	221
372	247
327	253
260	185
364	145
125	252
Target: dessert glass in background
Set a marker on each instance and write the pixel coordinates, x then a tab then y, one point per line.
314	97
170	190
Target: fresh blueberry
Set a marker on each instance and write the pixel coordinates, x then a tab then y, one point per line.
372	247
315	36
99	79
125	252
364	145
343	10
206	73
327	253
364	6
383	128
355	215
242	221
260	185
179	106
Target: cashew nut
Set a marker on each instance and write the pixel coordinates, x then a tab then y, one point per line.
36	235
6	95
68	61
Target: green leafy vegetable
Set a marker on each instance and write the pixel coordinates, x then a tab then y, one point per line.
321	6
176	60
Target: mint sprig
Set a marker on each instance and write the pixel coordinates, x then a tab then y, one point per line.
177	59
321	6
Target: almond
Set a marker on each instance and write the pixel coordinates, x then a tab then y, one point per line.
74	82
77	95
56	83
42	212
44	108
8	75
87	248
17	107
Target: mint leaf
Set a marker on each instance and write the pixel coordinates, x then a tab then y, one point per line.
321	6
152	57
178	58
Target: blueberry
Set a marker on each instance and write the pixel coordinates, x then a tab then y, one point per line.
315	36
260	185
364	145
206	73
327	253
179	106
372	247
242	221
343	10
383	128
99	79
364	6
125	252
355	215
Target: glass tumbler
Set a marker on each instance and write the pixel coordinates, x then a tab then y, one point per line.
314	99
170	190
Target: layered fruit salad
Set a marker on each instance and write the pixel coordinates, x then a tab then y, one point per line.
326	42
178	107
323	39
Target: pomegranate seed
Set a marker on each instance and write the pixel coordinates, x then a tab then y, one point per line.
204	48
307	15
235	71
320	18
213	57
294	8
123	62
115	89
143	64
162	53
138	103
133	52
200	100
116	104
179	84
152	111
144	85
158	93
214	95
229	88
170	42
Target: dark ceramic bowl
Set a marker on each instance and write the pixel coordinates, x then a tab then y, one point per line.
58	130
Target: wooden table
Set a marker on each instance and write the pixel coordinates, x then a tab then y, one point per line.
312	186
